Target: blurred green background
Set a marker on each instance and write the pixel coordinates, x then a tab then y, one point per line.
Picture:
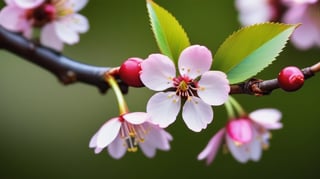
45	127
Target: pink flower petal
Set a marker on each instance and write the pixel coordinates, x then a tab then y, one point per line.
268	118
238	151
210	151
49	37
136	117
116	148
28	4
148	149
108	132
240	130
197	114
167	135
299	2
163	108
194	61
11	18
97	150
157	72
9	2
27	30
306	35
214	88
157	137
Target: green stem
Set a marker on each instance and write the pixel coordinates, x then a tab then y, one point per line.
237	106
123	108
229	109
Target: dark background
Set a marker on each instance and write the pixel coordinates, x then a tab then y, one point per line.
45	127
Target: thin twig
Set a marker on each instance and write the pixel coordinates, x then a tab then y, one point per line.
67	70
259	87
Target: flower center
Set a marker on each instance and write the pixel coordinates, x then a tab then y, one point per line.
47	12
62	9
185	86
132	135
41	15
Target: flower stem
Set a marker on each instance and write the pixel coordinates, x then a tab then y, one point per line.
237	106
123	108
229	109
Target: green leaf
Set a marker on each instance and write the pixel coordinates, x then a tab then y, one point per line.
170	36
249	50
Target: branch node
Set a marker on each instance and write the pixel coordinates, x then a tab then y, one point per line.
68	77
253	87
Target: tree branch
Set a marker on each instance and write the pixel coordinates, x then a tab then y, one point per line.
68	71
259	87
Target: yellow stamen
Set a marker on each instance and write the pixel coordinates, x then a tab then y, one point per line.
134	149
183	86
64	12
202	88
265	146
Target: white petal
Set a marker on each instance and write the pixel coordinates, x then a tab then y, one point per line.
93	141
157	72
255	147
210	151
163	108
66	32
93	144
197	114
76	5
108	132
214	87
157	138
268	118
49	37
237	151
136	117
194	61
116	148
251	12
78	23
27	4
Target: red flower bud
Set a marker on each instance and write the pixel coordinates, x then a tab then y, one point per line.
290	78
130	72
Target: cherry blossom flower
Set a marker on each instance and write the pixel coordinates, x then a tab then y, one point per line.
251	12
58	19
307	13
127	132
245	137
196	85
